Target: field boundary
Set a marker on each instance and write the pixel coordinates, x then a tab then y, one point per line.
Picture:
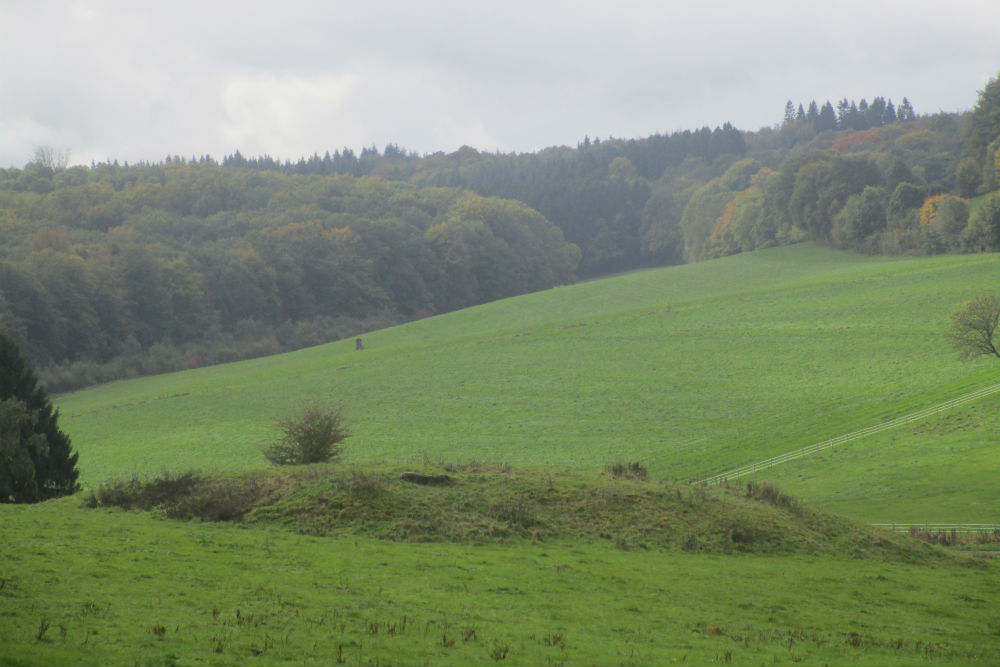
751	468
930	527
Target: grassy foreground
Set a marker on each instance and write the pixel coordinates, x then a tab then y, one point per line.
108	586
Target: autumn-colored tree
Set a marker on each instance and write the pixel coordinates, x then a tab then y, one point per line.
945	212
854	139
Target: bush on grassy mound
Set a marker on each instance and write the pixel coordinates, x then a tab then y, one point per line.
316	435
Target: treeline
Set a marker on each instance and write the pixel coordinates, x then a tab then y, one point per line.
111	270
116	269
849	115
594	193
699	194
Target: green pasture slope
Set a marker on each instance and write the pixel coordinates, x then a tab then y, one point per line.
691	370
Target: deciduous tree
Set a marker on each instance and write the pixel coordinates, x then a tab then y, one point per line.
985	120
984	227
974	326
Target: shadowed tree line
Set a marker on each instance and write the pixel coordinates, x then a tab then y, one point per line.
115	270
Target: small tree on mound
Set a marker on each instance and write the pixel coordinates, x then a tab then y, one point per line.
315	435
36	459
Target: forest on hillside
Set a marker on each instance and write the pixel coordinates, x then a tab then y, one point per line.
113	270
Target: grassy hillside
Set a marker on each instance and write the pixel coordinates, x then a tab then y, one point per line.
690	369
548	560
939	470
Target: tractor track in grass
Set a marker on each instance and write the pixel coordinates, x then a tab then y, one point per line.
750	468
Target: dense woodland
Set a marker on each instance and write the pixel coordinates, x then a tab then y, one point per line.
115	270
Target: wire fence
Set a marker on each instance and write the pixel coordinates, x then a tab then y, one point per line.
987	528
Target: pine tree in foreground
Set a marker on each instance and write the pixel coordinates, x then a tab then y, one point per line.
36	459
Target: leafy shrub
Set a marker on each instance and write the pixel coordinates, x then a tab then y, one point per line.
313	436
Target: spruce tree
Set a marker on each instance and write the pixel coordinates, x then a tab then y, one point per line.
827	119
905	111
36	459
789	113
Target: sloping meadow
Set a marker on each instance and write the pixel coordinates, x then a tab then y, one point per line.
559	429
690	370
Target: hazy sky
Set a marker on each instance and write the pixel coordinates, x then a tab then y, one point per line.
143	80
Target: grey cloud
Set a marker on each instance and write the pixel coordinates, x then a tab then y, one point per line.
133	81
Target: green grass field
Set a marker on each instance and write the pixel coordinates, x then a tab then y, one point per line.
110	587
691	370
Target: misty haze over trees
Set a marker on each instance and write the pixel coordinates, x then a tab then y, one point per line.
115	270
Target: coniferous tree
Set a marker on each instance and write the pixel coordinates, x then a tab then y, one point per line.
812	115
889	115
864	119
843	114
36	459
827	119
876	112
789	113
905	111
855	121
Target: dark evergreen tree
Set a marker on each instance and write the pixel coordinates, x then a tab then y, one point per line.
812	115
876	112
843	114
36	459
889	115
905	111
827	118
855	120
789	113
864	118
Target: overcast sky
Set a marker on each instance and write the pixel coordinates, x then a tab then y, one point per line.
140	80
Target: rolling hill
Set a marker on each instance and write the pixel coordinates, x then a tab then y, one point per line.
531	554
691	370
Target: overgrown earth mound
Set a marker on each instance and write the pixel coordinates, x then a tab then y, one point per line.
490	503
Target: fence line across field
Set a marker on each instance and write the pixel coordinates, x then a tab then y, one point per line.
848	437
941	527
